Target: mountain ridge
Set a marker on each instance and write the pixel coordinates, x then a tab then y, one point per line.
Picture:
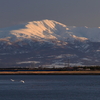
45	29
49	43
50	29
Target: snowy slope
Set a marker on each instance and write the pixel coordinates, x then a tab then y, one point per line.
45	29
92	34
49	42
49	29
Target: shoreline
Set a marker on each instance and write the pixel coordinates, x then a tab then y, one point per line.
49	72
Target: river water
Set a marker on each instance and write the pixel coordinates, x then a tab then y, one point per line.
49	87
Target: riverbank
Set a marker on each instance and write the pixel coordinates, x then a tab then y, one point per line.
49	72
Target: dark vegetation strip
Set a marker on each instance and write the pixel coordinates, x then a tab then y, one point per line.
76	68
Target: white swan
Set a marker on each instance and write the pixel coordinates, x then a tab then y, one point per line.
12	80
22	81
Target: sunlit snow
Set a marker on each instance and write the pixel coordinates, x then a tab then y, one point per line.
50	29
24	62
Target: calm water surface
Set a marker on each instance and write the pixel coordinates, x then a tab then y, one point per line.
50	87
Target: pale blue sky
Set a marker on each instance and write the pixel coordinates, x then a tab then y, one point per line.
69	12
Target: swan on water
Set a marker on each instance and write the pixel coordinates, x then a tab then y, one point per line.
22	81
12	80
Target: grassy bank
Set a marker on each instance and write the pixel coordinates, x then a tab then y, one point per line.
49	72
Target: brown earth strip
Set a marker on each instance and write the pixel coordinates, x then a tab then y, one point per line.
50	73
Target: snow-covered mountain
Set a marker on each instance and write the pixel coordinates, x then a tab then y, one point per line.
50	29
48	41
42	30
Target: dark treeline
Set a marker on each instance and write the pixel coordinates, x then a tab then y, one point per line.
75	68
